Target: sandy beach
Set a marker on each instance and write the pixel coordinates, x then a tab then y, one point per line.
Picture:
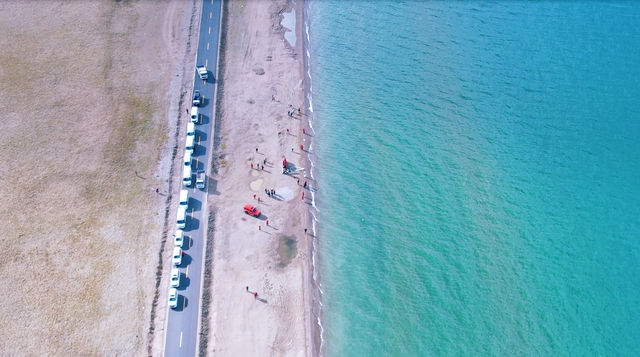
261	80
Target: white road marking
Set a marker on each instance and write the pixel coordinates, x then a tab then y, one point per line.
207	45
206	63
210	14
210	27
186	273
180	339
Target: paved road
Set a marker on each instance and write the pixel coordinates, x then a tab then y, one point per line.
182	323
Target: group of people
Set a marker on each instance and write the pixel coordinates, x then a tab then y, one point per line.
270	192
292	111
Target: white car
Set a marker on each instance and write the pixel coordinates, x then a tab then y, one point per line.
173	298
191	129
190	144
194	114
178	240
181	217
202	72
184	198
186	176
175	277
187	158
200	176
177	256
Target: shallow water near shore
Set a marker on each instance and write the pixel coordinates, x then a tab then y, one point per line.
478	172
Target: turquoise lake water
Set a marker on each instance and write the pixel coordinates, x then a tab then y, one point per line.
478	176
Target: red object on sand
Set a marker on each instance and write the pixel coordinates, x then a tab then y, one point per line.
252	211
284	162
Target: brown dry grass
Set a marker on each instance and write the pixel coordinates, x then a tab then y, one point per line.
82	111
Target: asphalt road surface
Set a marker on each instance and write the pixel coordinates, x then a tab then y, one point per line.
182	322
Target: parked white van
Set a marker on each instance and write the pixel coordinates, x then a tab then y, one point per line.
181	220
191	129
189	144
194	114
184	198
186	176
187	158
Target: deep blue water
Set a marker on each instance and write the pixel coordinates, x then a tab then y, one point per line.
478	173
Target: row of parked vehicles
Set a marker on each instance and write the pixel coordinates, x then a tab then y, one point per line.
187	181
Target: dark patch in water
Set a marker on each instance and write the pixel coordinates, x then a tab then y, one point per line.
286	250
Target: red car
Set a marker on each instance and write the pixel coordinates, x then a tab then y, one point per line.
252	211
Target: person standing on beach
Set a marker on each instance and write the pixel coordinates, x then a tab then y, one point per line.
267	222
255	295
252	165
264	161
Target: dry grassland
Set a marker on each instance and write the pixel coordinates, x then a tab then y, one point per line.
83	97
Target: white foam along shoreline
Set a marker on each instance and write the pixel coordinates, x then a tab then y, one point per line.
315	288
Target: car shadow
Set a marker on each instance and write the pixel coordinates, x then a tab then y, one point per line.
186	260
192	224
186	243
184	283
199	150
194	204
201	135
182	303
204	119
